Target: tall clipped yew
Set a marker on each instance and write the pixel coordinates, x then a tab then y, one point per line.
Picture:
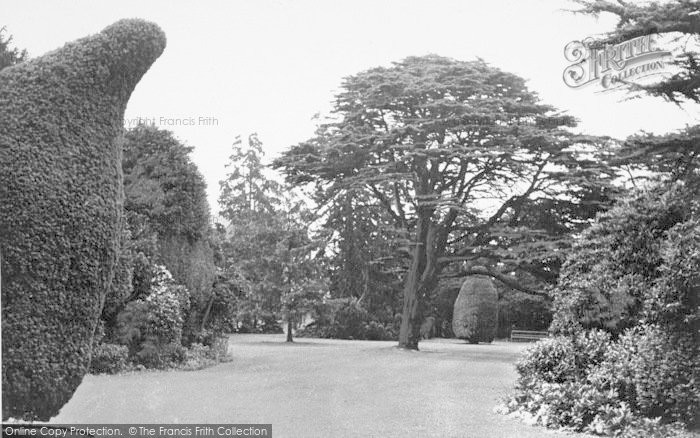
475	316
61	117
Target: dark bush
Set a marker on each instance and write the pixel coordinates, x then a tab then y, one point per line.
152	327
61	116
655	373
109	358
674	299
346	319
617	262
564	359
643	383
198	356
257	321
167	207
475	316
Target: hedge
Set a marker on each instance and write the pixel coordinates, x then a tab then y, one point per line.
61	118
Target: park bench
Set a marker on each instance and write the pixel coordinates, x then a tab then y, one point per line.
527	335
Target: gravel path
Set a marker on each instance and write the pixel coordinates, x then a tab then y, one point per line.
322	388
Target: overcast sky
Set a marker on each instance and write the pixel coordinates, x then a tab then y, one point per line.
268	66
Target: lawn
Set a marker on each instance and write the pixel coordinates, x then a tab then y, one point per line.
329	388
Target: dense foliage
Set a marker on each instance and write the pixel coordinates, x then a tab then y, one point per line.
643	384
627	361
475	316
675	17
152	326
9	55
618	262
347	318
61	193
168	216
268	244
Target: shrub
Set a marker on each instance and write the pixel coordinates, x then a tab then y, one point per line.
255	321
166	202
674	299
616	263
655	373
349	321
635	274
109	358
564	359
61	194
199	356
641	385
376	331
475	315
346	319
152	327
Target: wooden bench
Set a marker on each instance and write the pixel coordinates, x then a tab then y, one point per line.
527	335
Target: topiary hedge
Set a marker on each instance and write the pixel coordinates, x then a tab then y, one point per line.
61	116
475	316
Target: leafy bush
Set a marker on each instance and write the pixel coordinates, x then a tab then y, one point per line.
564	359
109	358
635	274
152	327
199	356
61	194
617	262
167	206
674	299
346	319
654	372
258	322
641	385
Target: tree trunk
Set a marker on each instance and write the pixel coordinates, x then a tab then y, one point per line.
409	334
289	330
206	312
414	286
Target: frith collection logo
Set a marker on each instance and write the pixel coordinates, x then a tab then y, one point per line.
613	65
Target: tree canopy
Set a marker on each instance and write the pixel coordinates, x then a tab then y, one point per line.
453	153
676	17
9	55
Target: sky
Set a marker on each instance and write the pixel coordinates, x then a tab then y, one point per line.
236	67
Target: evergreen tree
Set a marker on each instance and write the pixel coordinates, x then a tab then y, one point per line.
454	153
9	55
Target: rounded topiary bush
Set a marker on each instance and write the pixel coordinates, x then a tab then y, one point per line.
475	316
61	117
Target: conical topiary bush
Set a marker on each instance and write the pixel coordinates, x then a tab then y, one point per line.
61	196
475	316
